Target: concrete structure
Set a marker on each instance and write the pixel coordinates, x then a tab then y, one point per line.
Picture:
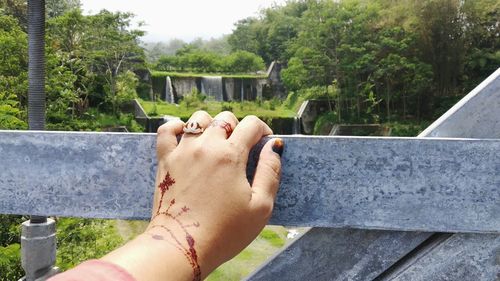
309	111
172	89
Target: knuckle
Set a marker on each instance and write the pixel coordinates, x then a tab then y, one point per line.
200	113
226	112
168	127
229	115
198	150
163	129
252	119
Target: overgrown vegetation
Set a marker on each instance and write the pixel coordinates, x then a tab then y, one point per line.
163	74
191	59
91	66
92	63
388	60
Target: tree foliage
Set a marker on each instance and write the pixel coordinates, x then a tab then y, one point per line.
91	61
399	59
191	58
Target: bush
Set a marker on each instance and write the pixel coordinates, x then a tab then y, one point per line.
10	262
204	61
84	239
243	61
193	99
323	123
11	117
226	107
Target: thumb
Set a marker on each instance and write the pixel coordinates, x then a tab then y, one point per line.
267	175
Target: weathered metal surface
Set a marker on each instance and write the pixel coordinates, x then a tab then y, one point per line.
339	258
473	257
471	117
460	257
108	175
377	183
477	115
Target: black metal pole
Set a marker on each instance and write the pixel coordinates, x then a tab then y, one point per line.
38	239
36	71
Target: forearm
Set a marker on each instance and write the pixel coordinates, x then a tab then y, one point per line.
153	256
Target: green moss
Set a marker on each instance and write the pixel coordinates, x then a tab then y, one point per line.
160	74
272	237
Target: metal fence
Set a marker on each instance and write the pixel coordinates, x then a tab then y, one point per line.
424	208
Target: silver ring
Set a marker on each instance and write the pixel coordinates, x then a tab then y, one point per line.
192	128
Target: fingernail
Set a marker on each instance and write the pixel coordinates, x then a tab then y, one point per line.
278	146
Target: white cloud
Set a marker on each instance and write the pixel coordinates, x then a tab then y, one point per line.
183	19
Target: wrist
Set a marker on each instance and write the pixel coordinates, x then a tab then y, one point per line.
180	237
147	258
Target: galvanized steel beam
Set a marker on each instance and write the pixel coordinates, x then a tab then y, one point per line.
459	257
375	183
372	252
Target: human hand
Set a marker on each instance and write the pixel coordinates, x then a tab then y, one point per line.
205	211
209	197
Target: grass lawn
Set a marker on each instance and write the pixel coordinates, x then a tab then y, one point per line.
269	241
264	110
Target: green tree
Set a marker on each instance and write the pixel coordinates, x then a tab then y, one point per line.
243	61
18	9
245	36
126	83
112	48
442	38
167	63
55	8
13	74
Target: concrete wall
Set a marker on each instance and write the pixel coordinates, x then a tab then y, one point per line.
233	89
184	85
309	111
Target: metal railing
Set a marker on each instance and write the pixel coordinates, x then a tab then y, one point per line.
376	199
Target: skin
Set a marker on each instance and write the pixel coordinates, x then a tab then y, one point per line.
213	202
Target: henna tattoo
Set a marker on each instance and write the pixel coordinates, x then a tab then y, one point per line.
189	251
164	186
158	237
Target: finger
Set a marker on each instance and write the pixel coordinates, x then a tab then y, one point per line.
166	137
199	119
249	131
267	177
222	125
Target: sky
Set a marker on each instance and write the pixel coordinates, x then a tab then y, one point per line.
183	19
